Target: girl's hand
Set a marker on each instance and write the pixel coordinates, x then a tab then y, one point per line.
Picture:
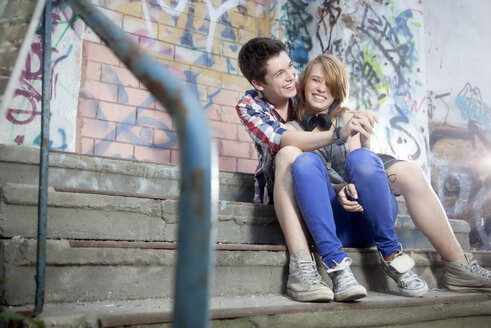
361	122
348	198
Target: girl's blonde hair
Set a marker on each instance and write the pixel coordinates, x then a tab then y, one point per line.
337	81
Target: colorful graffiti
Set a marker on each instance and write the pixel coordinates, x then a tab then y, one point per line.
22	119
198	42
461	160
379	44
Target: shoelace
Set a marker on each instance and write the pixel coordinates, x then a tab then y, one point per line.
308	273
345	278
475	268
409	278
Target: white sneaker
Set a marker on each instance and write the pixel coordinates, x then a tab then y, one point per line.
304	281
408	282
344	284
468	276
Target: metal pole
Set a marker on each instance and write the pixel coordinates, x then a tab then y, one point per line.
44	162
199	175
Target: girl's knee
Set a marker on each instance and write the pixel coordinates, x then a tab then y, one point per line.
363	161
406	176
306	162
287	155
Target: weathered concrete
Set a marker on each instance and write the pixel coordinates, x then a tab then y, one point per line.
97	272
70	170
438	309
108	217
96	216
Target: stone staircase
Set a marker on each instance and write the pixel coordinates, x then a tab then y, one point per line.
111	251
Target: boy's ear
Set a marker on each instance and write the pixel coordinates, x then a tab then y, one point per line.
257	85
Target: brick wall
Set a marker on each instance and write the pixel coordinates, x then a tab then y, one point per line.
117	116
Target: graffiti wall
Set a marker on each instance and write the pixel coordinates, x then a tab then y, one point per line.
199	42
459	111
21	123
381	44
420	65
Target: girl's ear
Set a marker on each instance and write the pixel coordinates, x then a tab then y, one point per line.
257	85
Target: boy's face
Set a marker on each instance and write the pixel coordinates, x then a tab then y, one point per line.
280	79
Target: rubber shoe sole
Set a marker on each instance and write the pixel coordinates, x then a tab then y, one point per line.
468	288
311	296
351	294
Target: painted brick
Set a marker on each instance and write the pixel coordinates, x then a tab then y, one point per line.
175	68
114	149
89	35
252	151
159	15
171	34
152	154
224	32
117	113
227	164
154	118
213	112
121	6
207	77
244	35
97	129
86	146
243	135
239	20
226	97
136	97
235	82
99	90
157	48
134	134
224	130
234	149
175	157
114	16
203	94
247	165
93	70
225	64
138	26
200	9
164	139
188	55
99	53
119	75
88	107
230	49
229	114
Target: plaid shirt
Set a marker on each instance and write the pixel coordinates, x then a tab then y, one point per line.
265	126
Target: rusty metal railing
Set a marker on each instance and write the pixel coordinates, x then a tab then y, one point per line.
43	162
199	175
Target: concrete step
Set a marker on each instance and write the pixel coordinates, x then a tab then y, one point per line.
91	215
87	172
87	271
438	309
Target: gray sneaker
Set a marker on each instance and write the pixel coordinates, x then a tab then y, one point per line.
468	276
304	282
344	284
408	282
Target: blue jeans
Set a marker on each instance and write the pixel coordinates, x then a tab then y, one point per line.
331	226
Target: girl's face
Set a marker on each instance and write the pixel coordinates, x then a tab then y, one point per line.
318	98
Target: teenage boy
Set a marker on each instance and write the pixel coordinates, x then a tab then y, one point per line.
263	111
